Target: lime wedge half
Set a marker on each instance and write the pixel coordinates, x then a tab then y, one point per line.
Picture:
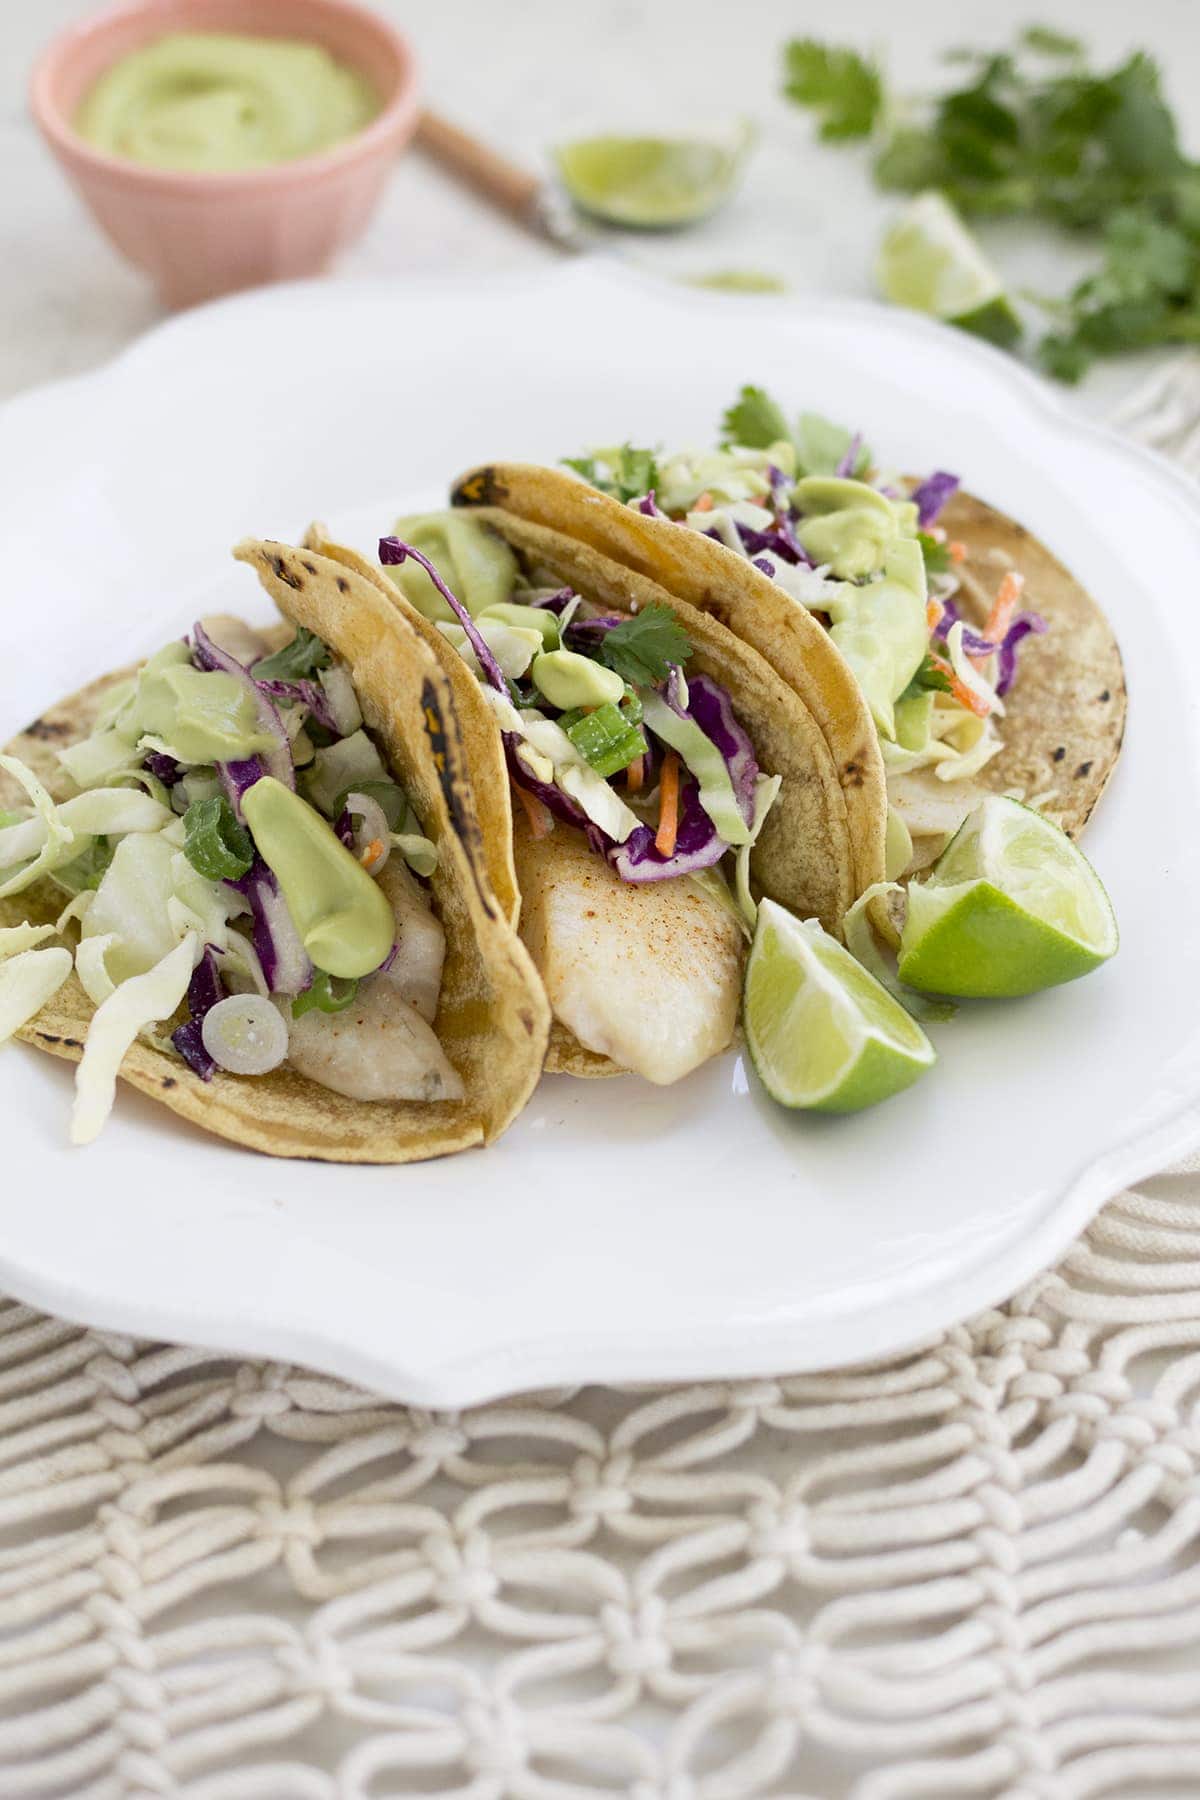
928	260
1009	907
653	183
822	1032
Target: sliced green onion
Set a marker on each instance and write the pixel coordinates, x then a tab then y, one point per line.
631	706
387	796
328	994
606	739
214	842
245	1035
418	851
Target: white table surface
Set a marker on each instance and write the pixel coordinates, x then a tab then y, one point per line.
528	74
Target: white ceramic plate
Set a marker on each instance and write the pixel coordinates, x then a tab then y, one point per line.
617	1233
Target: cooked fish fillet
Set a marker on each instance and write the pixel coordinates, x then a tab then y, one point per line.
416	970
380	1048
649	975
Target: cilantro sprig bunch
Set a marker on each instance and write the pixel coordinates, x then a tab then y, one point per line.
1037	132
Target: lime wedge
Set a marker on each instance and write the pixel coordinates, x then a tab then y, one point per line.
652	183
928	260
822	1032
1009	907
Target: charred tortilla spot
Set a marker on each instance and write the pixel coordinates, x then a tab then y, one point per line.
1085	768
343	585
310	566
714	607
480	488
1060	753
169	1081
46	729
48	1037
1105	695
853	775
285	574
442	734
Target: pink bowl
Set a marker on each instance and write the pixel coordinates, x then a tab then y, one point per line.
203	235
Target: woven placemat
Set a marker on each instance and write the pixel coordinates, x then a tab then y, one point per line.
971	1570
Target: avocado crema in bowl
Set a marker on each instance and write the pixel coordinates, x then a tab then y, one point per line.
217	102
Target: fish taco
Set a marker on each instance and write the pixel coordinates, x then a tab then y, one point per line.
662	774
986	667
247	876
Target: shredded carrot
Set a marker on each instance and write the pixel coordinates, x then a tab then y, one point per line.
933	613
962	693
1008	595
541	820
635	774
372	853
704	503
957	551
668	805
1001	615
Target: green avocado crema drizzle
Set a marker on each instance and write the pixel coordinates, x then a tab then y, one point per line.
216	102
881	631
475	563
849	525
195	715
344	919
568	680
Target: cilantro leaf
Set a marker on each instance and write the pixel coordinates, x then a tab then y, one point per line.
1142	256
910	160
303	656
927	676
328	993
642	647
1049	42
1137	131
1132	299
1063	356
936	555
841	87
754	421
624	472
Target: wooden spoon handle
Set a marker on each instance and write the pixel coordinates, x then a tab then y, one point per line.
499	181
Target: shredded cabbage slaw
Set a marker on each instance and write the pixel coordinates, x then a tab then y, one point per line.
143	905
